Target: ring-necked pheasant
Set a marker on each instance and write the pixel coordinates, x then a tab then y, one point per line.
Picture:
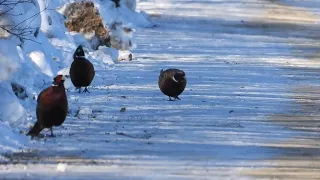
81	70
172	82
52	107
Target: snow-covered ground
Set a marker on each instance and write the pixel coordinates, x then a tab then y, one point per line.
251	82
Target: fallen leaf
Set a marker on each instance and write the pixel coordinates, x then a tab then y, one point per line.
123	109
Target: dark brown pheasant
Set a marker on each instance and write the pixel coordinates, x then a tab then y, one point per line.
52	107
81	70
172	82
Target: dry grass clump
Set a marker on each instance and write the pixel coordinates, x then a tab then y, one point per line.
84	18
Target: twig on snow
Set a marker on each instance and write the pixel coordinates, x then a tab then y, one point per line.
144	136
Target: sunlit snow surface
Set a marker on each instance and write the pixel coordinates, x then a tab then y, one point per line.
241	74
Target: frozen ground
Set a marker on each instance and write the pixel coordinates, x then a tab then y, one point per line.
249	110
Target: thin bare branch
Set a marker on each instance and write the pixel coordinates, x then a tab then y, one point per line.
22	32
19	35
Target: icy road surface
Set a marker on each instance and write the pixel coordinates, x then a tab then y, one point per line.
250	109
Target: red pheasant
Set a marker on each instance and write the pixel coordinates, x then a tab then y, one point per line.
52	107
81	70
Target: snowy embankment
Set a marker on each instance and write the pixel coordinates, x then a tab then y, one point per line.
38	46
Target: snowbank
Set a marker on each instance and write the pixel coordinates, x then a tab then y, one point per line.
29	62
12	112
116	20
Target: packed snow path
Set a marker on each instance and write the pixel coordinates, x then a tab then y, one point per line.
226	124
